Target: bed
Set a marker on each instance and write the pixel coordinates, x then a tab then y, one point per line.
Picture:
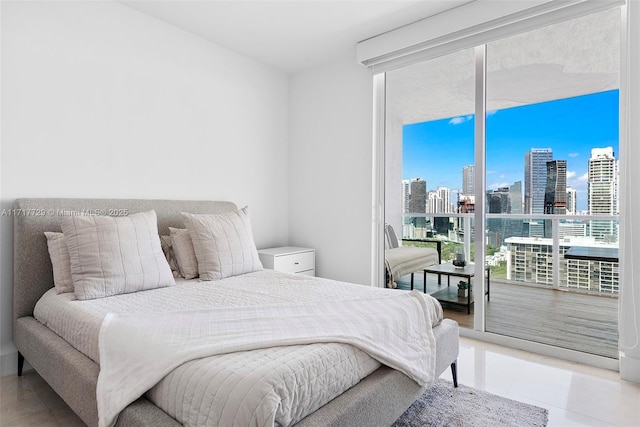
376	399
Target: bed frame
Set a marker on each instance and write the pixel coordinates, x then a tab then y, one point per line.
378	399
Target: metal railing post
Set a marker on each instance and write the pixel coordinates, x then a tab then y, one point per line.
555	251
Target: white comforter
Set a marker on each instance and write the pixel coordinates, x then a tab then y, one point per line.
137	351
296	379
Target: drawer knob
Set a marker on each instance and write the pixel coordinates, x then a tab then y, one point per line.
296	263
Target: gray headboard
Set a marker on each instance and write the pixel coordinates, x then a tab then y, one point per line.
32	271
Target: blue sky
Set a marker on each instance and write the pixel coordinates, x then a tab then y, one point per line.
436	151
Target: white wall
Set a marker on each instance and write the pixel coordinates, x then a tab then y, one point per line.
99	100
331	149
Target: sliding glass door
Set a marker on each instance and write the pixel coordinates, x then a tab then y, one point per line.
429	160
551	162
550	186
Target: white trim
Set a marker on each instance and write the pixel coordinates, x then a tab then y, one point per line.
629	301
469	25
543	349
378	170
480	182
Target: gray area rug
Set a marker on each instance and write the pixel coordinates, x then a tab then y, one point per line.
444	405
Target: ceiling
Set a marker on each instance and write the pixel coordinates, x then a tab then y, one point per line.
291	35
572	58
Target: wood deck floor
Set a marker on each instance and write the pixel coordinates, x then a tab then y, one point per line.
576	321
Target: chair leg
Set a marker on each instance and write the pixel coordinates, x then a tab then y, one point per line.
411	281
20	363
454	372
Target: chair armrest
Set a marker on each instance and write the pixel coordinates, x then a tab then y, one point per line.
438	243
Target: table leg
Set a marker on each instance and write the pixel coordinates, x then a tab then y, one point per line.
488	284
424	281
469	295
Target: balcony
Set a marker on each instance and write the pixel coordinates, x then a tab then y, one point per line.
537	294
573	320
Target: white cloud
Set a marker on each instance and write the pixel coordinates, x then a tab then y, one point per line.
574	154
584	178
461	119
497	185
570	174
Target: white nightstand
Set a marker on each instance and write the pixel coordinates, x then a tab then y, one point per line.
289	259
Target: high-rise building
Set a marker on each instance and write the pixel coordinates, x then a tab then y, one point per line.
444	194
439	200
434	202
418	201
466	204
406	198
467	180
531	260
602	193
535	179
406	195
515	197
418	197
555	195
498	201
572	204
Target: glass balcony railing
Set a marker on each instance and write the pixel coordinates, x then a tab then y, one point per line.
571	252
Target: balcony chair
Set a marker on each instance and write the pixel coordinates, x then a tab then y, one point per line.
402	260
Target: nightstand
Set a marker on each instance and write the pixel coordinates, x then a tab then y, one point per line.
289	259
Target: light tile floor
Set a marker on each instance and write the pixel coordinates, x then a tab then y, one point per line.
574	394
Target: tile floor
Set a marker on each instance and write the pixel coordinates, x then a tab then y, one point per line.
576	395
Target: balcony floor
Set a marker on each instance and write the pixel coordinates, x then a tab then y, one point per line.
576	321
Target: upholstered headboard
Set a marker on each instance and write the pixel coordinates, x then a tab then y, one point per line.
32	271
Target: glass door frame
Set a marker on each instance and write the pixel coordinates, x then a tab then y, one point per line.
378	185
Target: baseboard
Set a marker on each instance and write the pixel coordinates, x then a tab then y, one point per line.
9	364
629	368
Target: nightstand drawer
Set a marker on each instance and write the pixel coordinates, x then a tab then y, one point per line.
294	263
289	259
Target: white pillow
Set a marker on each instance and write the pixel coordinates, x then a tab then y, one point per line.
167	248
59	254
183	250
115	255
223	244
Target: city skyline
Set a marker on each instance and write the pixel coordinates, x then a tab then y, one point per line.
570	127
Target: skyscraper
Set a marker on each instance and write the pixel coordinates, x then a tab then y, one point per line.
467	180
515	197
555	195
444	193
406	195
418	201
498	201
535	179
572	204
439	201
603	191
406	198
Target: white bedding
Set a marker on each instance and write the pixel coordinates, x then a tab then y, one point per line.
319	372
